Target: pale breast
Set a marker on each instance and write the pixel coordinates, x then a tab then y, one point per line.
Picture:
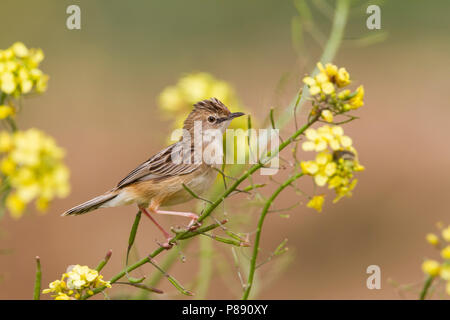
199	181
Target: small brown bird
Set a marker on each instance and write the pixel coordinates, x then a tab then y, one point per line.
159	181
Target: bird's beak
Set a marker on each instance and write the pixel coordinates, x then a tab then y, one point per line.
235	115
230	117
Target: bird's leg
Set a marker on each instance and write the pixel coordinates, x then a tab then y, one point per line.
192	224
166	245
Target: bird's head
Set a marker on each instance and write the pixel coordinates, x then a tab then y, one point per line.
212	114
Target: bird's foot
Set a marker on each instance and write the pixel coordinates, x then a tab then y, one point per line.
194	225
166	245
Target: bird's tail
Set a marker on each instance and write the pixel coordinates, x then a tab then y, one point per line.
91	205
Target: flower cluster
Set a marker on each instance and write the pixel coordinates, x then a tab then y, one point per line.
19	72
435	268
335	162
31	167
324	89
77	280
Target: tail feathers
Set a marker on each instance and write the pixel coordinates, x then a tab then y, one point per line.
90	205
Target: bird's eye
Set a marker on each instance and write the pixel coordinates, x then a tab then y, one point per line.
211	119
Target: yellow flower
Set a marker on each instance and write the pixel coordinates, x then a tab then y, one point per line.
320	83
445	253
446	234
342	78
327	115
8	84
5	141
62	296
336	167
445	271
316	203
19	72
15	205
170	99
77	279
431	267
6	111
309	167
358	100
330	69
7	166
327	87
316	142
314	87
20	50
33	163
432	239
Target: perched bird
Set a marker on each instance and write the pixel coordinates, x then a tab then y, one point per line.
159	181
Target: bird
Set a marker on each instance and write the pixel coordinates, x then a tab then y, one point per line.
166	178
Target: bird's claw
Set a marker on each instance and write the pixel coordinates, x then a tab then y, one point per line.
194	225
166	245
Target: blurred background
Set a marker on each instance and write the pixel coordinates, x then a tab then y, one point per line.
101	106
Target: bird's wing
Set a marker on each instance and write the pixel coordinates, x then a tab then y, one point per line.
159	166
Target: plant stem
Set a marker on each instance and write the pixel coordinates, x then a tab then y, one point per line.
102	263
259	230
426	286
37	283
329	52
170	258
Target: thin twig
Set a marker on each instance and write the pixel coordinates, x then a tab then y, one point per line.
426	287
192	193
171	279
102	263
238	269
37	282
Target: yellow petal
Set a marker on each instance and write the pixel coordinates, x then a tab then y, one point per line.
320	179
308	146
431	267
316	203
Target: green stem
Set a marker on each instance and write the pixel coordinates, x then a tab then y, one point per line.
37	283
169	260
102	263
264	212
171	279
426	286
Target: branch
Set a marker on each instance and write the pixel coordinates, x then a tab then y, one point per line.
426	286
